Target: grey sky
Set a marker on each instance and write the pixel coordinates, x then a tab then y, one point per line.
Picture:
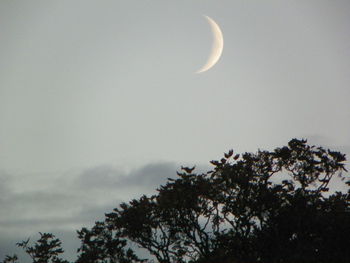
107	90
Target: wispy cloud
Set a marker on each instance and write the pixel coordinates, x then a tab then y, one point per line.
67	203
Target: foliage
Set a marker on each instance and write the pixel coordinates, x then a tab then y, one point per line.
45	250
269	206
100	245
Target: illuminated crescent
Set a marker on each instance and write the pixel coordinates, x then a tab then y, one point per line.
218	46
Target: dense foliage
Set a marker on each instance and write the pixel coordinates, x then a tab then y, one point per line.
269	206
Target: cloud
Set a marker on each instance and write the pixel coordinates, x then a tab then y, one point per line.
5	181
150	175
106	176
62	204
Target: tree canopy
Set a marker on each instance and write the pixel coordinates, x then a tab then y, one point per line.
269	206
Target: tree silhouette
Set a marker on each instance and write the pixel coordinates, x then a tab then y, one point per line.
101	245
269	206
45	250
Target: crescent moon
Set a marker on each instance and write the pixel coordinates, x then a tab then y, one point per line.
217	47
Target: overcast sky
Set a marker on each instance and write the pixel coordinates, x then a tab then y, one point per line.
99	101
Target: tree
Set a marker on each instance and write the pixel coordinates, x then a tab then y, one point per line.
45	250
269	206
262	207
101	245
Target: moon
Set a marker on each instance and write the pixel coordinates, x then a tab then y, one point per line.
217	47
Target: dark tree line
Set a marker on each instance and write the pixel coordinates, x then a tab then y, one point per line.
269	206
